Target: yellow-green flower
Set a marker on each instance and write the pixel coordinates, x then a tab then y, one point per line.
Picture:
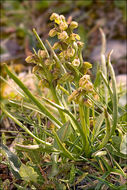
42	54
70	52
63	26
73	25
52	32
63	36
76	62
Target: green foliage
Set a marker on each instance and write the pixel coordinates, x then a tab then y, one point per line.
123	145
27	173
82	122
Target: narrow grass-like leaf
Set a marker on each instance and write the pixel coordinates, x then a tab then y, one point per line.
31	106
99	121
105	182
24	127
62	147
33	98
12	86
106	83
103	62
67	112
115	98
108	127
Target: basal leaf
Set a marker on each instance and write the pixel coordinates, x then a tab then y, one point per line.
27	173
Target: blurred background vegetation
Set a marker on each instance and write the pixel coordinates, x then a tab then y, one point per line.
18	17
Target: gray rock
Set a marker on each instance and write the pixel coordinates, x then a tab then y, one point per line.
119	50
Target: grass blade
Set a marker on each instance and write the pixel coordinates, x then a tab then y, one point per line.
62	147
24	127
33	98
108	127
115	98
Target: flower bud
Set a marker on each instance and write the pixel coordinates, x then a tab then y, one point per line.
63	36
47	62
73	25
75	46
96	97
52	32
63	26
84	78
76	62
86	66
55	73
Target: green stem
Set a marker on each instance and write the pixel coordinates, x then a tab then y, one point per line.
62	147
57	102
84	128
40	41
87	119
93	115
107	84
